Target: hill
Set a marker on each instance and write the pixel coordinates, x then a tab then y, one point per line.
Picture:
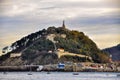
41	48
114	51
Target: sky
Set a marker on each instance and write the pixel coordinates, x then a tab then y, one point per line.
98	19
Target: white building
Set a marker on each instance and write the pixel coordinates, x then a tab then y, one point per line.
7	49
15	55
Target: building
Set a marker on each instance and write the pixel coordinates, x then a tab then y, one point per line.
63	35
61	66
60	50
15	55
7	49
50	51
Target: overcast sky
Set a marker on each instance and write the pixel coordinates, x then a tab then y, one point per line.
98	19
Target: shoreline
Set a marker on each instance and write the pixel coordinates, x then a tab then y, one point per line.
34	69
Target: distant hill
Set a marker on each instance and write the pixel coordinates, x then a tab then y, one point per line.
40	48
114	51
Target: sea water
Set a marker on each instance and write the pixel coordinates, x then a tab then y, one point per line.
59	76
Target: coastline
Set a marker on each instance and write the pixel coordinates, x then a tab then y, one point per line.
55	68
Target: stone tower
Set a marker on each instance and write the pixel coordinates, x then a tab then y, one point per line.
63	25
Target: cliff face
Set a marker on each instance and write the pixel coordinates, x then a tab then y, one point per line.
40	47
114	51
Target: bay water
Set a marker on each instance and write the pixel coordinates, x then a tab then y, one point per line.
59	76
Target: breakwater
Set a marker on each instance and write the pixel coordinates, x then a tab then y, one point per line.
18	68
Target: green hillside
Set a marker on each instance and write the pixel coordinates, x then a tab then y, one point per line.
35	47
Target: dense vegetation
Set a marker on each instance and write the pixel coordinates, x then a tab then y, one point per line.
27	41
35	46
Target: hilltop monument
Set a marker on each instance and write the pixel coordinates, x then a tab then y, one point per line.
63	25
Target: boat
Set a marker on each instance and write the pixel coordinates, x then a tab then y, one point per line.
75	69
75	73
30	73
4	72
40	67
48	72
118	75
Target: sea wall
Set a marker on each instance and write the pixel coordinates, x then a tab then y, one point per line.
68	67
18	68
